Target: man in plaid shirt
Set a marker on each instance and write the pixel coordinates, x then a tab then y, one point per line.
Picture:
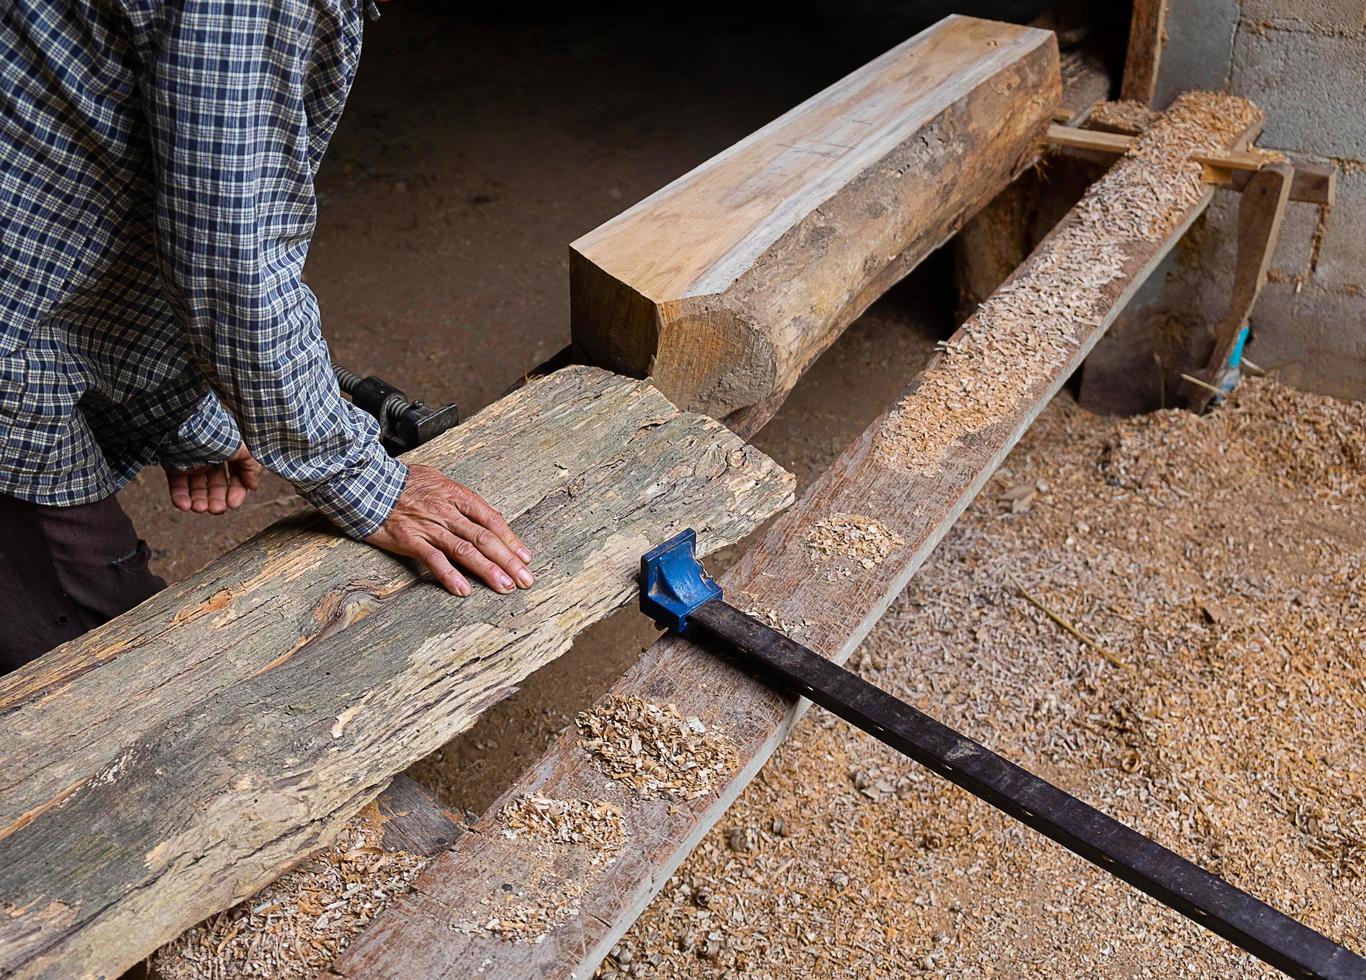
156	205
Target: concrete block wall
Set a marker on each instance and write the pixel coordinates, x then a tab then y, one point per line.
1304	62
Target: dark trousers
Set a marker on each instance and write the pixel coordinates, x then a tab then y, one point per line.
65	570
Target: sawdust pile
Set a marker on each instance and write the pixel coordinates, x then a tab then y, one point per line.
852	538
296	926
653	749
1027	331
1123	116
1222	560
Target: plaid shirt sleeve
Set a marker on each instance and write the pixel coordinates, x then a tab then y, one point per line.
241	99
210	435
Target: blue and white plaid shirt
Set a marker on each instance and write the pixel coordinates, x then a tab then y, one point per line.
156	204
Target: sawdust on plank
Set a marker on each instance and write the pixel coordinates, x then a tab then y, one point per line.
586	835
852	539
295	927
653	749
1024	333
1223	557
1122	116
542	821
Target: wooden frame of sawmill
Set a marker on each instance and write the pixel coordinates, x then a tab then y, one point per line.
286	686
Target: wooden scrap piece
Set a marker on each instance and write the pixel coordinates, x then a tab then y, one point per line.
916	469
170	763
725	285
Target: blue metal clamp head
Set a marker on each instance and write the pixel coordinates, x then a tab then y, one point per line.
673	584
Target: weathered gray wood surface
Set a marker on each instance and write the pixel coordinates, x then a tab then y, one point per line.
725	285
829	604
167	765
414	820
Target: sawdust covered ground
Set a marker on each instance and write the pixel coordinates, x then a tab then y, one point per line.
1214	566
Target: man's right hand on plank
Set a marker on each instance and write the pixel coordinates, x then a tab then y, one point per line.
443	524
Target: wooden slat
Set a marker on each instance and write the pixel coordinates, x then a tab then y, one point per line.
725	285
914	470
1312	182
1147	34
170	763
414	820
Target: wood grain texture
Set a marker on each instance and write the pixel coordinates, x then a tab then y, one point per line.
726	284
170	763
826	604
1147	34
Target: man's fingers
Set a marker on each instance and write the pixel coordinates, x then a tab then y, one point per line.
478	510
488	544
179	486
237	490
467	556
199	491
249	471
218	490
451	580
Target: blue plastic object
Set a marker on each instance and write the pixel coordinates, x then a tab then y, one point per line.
1232	371
673	584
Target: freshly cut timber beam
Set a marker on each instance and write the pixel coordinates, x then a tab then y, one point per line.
170	763
825	571
725	285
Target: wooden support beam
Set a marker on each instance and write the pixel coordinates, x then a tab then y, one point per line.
1260	212
1147	34
1315	183
170	763
725	285
814	572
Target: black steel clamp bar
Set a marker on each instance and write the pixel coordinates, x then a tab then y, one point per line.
677	594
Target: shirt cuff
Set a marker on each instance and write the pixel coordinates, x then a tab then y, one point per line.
360	498
208	437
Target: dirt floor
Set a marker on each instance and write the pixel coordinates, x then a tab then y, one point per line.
1214	566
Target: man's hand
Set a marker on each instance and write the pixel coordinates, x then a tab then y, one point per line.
439	522
215	489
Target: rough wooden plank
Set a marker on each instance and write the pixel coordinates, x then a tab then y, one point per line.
170	763
725	285
903	483
1147	34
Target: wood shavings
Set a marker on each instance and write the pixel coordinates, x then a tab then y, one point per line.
589	833
653	749
521	919
593	824
295	927
1222	557
1123	116
1023	333
864	541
